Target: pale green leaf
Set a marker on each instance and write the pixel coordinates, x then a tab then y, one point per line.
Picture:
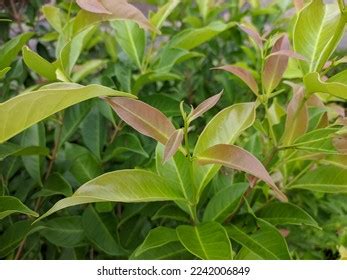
32	107
163	12
120	186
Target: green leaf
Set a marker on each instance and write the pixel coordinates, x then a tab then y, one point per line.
10	149
317	32
12	237
27	108
192	38
163	12
54	16
278	213
73	117
319	140
328	179
34	136
123	145
224	203
101	232
93	132
89	67
132	39
333	86
120	186
232	121
71	51
55	185
10	205
169	251
4	71
204	7
9	50
155	239
64	231
171	212
266	243
208	241
38	64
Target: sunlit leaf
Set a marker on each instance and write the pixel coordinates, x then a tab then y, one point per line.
205	106
11	205
172	145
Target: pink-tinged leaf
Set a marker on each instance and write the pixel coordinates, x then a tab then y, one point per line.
287	53
119	9
173	144
144	118
237	158
205	106
255	36
299	4
93	6
297	116
275	65
243	74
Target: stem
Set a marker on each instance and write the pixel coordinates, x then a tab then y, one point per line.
16	15
186	139
271	131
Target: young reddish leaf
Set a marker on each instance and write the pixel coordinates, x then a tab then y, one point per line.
298	4
287	53
93	6
297	116
205	106
173	144
253	33
243	74
119	9
275	65
237	158
144	118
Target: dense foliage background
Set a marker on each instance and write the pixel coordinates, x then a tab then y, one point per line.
43	42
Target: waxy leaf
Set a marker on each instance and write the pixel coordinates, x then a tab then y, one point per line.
32	107
144	118
317	32
10	205
173	144
278	213
208	241
54	16
328	179
237	158
205	106
224	203
119	9
275	66
297	117
244	75
224	128
10	149
4	71
333	86
266	243
120	186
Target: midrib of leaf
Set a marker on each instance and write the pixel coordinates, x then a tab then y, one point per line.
105	228
173	253
200	242
314	62
132	43
256	242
